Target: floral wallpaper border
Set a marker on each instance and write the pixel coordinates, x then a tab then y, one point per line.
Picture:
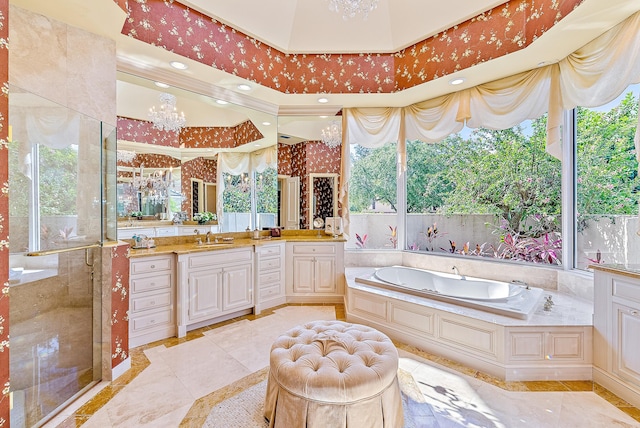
497	32
142	131
4	213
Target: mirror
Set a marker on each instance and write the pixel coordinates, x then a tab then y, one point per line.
161	173
323	197
308	169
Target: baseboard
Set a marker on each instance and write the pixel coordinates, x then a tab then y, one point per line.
118	370
625	391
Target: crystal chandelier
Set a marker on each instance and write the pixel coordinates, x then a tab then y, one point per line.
125	156
332	135
167	118
351	8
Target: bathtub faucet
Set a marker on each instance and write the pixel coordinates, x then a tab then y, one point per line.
457	272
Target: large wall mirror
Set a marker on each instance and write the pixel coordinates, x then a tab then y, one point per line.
164	175
309	168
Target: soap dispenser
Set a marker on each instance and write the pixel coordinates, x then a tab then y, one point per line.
256	234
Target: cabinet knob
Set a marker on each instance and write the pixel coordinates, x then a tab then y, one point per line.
152	322
153	266
634	313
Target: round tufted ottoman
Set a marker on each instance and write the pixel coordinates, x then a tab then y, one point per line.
333	374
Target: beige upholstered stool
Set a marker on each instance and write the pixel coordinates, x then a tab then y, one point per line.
333	374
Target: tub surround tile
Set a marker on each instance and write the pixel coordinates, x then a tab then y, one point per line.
567	310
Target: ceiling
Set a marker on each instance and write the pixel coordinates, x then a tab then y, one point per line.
285	25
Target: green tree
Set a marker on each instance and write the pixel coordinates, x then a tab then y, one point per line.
607	167
508	173
373	178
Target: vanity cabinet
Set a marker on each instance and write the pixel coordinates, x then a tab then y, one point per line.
213	285
151	299
269	276
315	271
616	323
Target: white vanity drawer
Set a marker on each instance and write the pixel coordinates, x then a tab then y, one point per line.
156	282
150	302
155	319
313	249
205	260
148	265
268	292
269	250
626	290
166	231
268	264
269	278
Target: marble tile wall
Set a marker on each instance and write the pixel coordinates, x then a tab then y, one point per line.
75	69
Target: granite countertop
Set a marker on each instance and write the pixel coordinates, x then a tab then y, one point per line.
188	245
630	270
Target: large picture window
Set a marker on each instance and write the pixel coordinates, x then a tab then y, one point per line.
373	198
486	193
607	182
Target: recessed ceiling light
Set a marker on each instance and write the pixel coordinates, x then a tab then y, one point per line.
323	117
323	100
178	65
457	81
222	102
244	87
256	145
161	85
266	123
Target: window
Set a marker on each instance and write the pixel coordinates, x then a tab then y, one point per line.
486	193
373	198
607	182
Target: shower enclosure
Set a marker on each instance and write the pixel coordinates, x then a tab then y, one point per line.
60	162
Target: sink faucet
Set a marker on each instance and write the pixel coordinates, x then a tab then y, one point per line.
208	239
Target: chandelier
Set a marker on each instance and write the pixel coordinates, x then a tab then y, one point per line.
332	135
351	8
167	118
125	156
243	183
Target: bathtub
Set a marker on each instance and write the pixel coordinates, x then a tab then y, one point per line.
503	298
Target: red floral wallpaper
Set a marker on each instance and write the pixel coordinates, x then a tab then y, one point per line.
502	30
151	160
119	304
284	159
307	158
4	212
122	4
142	131
201	168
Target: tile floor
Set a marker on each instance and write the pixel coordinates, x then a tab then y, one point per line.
176	382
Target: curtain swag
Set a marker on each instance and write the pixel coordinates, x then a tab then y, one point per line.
241	163
591	76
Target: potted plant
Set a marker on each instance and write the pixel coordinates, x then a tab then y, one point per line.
136	214
205	217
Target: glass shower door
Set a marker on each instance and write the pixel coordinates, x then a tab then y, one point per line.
56	227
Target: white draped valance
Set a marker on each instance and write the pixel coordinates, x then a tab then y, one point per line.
591	76
241	163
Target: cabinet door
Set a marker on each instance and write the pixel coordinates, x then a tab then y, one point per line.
626	343
303	273
325	274
205	291
237	287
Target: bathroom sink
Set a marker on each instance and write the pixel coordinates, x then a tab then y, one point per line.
215	244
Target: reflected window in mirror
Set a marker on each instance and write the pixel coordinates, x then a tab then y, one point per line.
236	202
